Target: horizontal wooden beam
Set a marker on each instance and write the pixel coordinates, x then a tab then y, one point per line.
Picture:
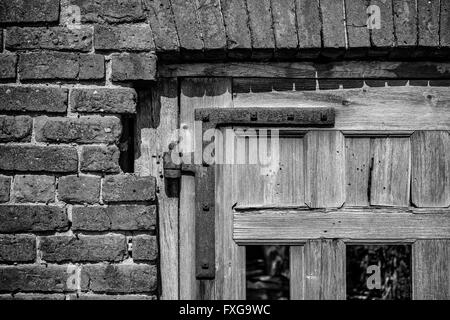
365	109
296	226
334	70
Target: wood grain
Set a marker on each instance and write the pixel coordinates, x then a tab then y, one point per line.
324	270
157	119
297	226
297	272
393	108
430	169
195	93
325	169
357	168
431	270
390	179
341	69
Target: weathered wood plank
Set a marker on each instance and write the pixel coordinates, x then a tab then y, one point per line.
390	179
261	27
383	37
429	12
405	22
445	24
325	270
357	168
298	226
283	13
343	69
309	24
272	183
325	169
430	169
297	272
162	22
188	25
357	31
195	93
236	25
157	120
431	271
383	109
246	85
333	28
212	25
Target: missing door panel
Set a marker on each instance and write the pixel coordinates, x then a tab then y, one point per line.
378	272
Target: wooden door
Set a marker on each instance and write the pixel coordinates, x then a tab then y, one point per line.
383	180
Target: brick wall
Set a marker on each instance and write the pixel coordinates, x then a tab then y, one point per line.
73	223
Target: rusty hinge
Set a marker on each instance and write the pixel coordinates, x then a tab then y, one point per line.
205	174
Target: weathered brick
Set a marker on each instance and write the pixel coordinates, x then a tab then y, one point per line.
82	130
29	188
124	37
18	11
145	248
38	278
128	187
123	278
33	296
133	66
120	100
15	129
55	38
89	296
8	64
100	159
83	248
38	158
33	99
26	218
114	218
79	189
110	10
5	186
92	67
61	65
17	248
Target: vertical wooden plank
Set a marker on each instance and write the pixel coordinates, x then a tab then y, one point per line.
431	270
445	24
188	25
325	270
358	163
309	24
157	120
212	25
195	93
405	22
390	181
384	37
230	275
357	31
429	11
325	169
236	24
277	184
297	272
162	22
283	12
333	29
261	29
430	169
